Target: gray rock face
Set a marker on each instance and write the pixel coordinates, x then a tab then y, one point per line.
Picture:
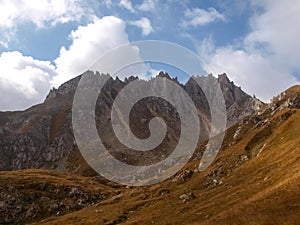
238	103
42	137
296	103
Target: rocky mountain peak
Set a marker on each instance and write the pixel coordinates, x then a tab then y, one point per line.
258	160
130	79
45	137
163	74
64	89
223	78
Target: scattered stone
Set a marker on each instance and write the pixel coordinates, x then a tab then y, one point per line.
185	175
17	206
187	197
244	158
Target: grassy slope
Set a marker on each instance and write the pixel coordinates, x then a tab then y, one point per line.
254	180
262	190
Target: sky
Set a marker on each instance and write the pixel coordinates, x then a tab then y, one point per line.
44	43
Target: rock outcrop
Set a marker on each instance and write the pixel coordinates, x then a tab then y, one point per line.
42	136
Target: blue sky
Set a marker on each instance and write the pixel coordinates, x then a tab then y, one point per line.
44	43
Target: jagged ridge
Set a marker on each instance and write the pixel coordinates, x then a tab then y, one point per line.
41	137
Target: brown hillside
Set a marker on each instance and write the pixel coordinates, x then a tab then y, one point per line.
255	179
260	189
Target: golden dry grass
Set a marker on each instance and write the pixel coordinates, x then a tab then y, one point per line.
265	189
262	190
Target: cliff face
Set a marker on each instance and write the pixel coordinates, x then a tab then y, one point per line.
42	137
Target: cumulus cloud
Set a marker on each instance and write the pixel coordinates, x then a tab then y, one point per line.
127	5
256	74
88	44
277	28
200	17
24	81
145	24
269	55
91	42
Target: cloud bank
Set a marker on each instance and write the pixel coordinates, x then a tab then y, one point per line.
24	81
88	44
265	61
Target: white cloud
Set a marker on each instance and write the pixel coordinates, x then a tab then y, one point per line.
24	81
256	74
4	43
7	35
91	42
269	55
145	24
278	28
206	47
127	5
42	13
200	17
39	12
153	72
147	5
88	44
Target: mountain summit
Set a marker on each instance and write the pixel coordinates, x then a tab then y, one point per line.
253	179
41	136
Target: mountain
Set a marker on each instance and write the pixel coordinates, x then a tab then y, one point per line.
254	180
42	136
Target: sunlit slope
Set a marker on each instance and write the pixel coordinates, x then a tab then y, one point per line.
254	180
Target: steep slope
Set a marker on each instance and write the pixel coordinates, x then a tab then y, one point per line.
250	182
42	137
254	180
